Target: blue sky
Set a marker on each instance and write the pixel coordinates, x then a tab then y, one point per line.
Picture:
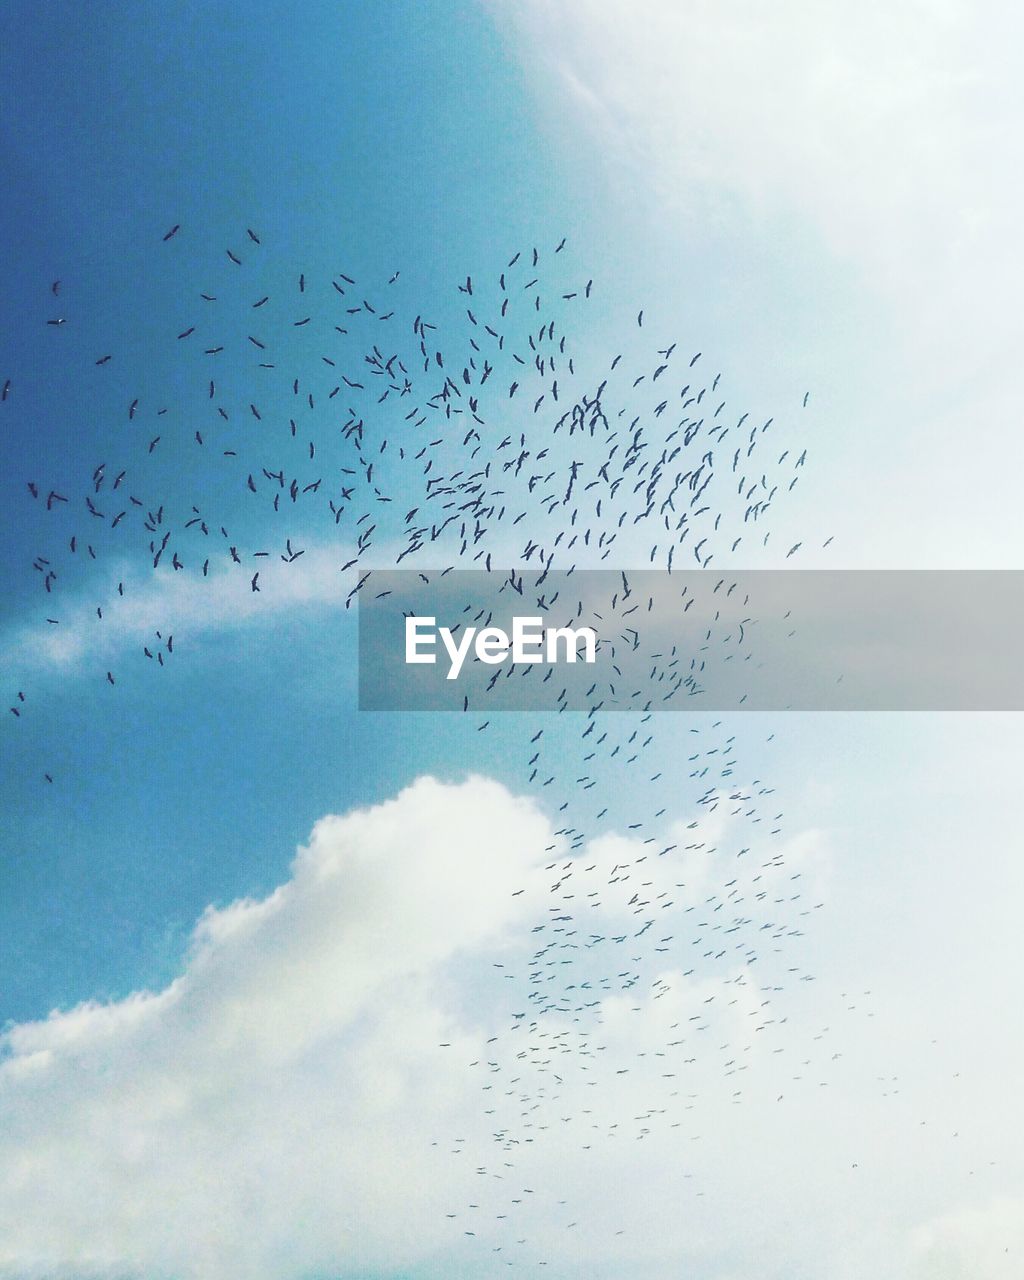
330	135
365	144
817	202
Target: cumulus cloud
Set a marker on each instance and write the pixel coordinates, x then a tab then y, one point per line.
389	1037
344	1063
272	1110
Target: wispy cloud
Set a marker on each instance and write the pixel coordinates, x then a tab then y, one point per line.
879	130
166	600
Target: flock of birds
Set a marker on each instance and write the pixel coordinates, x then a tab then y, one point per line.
411	425
326	412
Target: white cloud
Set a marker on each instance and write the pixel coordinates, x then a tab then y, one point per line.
982	1242
830	184
321	1085
878	126
168	601
272	1110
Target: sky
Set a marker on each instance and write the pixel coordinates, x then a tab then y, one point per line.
254	942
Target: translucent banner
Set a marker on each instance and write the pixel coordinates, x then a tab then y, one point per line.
591	640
